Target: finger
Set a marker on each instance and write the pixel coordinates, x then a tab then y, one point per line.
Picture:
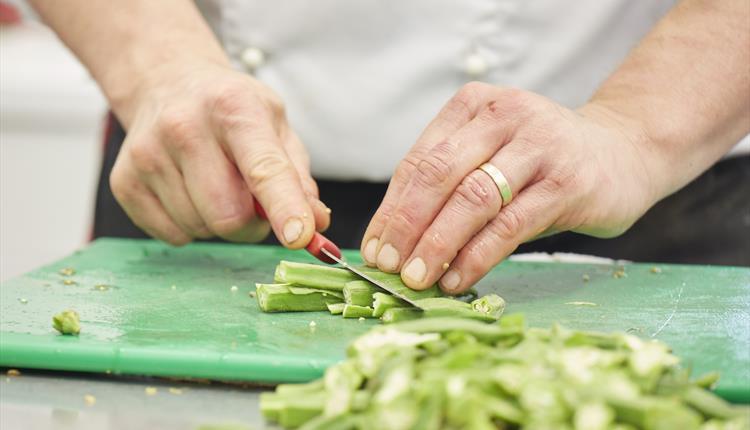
298	154
437	176
170	189
270	175
533	211
458	111
142	206
221	196
475	202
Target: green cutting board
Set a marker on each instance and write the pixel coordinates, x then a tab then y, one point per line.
150	309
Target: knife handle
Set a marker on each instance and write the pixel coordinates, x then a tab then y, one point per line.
317	243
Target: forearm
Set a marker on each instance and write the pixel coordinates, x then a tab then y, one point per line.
687	88
121	41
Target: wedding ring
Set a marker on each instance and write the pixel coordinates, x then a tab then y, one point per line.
499	179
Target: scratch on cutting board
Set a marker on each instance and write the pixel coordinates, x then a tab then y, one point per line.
674	310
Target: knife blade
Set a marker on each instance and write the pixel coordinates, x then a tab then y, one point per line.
340	260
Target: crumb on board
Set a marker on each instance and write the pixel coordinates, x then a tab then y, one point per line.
13	372
361	318
586	277
251	293
175	391
69	282
68	271
619	273
581	303
23	300
656	269
102	287
89	399
150	391
312	324
233	288
174	287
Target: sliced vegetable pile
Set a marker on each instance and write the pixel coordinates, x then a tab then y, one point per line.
454	373
311	287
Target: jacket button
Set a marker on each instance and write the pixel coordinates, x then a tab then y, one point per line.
252	58
475	66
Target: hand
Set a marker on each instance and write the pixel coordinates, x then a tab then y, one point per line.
202	141
442	220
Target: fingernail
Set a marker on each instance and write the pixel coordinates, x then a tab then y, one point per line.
450	280
415	270
370	249
388	257
293	229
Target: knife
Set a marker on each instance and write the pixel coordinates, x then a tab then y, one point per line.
340	259
316	245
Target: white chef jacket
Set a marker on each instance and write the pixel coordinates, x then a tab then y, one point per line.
361	79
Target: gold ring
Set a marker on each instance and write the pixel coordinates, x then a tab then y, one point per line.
499	179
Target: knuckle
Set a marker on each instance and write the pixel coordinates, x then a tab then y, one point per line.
406	169
265	166
473	193
179	127
513	102
462	103
144	158
238	112
507	225
229	99
477	259
403	220
435	168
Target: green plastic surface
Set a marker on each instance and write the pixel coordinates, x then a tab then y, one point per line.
150	309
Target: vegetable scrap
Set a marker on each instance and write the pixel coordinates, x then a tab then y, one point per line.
456	373
655	270
581	303
67	322
13	372
150	391
69	282
89	400
68	271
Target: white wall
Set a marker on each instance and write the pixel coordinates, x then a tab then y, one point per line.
51	122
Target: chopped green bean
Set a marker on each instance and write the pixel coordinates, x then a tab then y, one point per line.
354	311
382	302
313	275
288	298
359	293
335	308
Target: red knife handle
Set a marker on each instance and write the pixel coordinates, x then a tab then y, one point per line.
317	243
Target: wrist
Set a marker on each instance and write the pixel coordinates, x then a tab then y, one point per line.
638	148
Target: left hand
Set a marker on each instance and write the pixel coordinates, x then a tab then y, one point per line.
443	220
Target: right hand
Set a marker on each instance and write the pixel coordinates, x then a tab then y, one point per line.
202	141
